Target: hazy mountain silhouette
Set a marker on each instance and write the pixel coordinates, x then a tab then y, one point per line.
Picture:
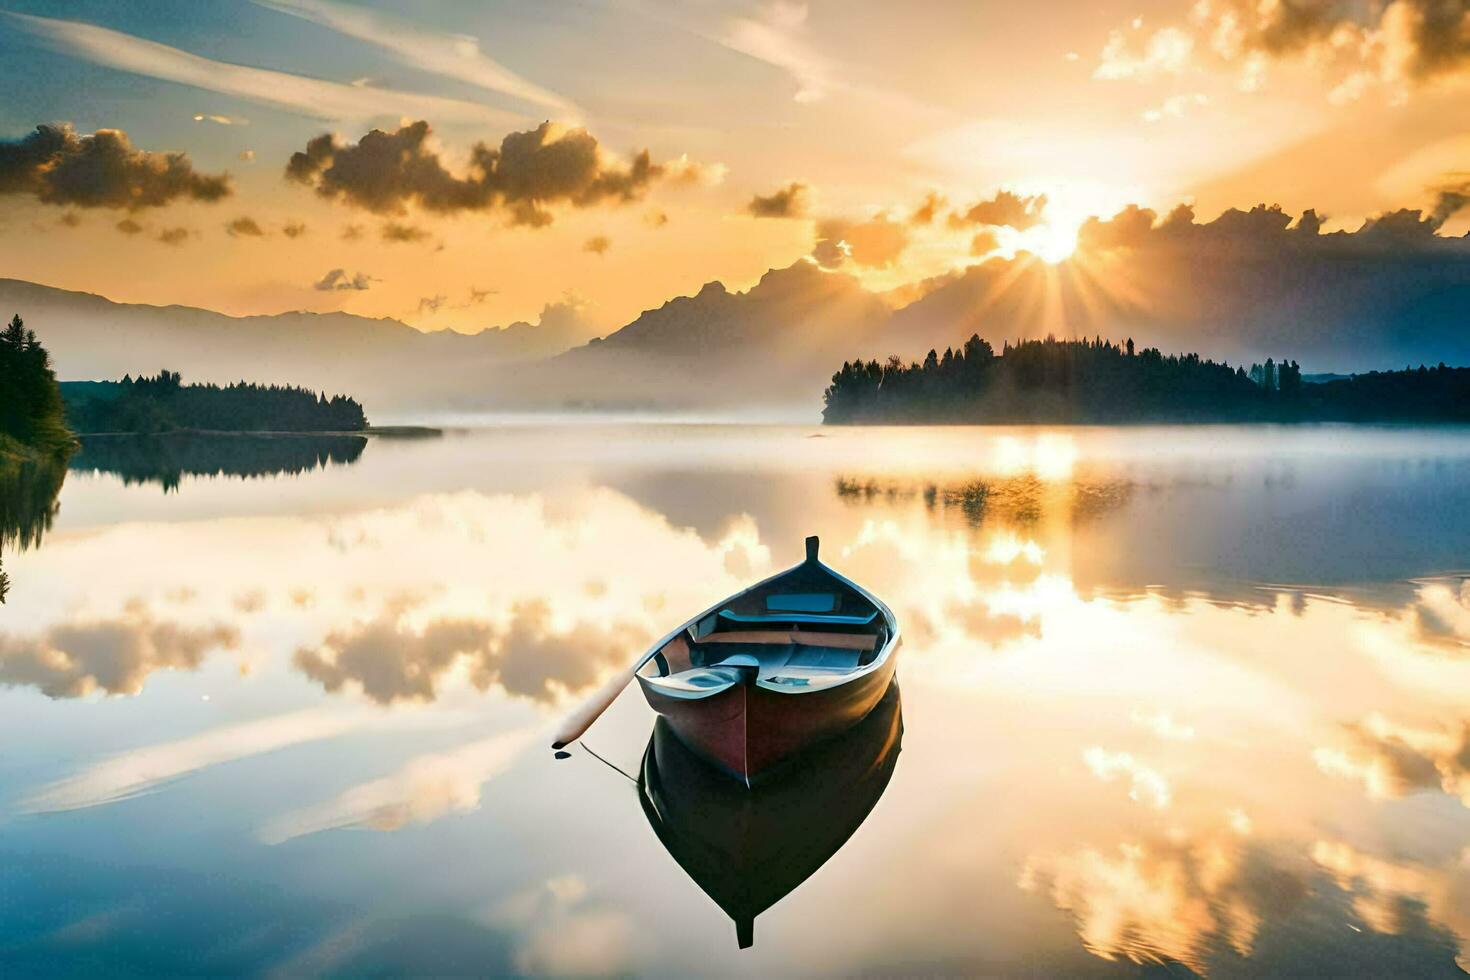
768	348
1334	303
388	362
1241	288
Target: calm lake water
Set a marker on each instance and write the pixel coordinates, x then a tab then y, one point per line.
1174	699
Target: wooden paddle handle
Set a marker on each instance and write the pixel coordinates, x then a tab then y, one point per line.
590	710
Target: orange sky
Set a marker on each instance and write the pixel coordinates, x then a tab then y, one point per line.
868	106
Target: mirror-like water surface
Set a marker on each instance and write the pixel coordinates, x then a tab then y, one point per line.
1197	697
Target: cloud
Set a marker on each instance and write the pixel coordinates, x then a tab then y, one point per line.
70	219
306	96
293	229
1269	228
396	231
597	245
529	173
1005	210
1450	201
1175	107
478	296
56	166
1154	903
456	56
115	656
1388	896
173	236
1392	761
221	120
1400	43
425	789
876	243
129	227
774	36
246	156
1167	52
1146	785
925	213
529	656
431	304
338	279
788	202
984	242
656	219
244	226
139	771
351	233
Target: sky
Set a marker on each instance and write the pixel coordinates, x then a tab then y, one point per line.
610	155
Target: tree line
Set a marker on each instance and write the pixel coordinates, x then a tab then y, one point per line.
163	403
1099	381
31	411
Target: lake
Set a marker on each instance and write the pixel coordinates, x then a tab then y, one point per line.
1172	700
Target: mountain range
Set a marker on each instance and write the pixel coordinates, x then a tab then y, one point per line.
772	348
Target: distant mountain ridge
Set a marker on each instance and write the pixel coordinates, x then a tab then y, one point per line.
94	338
772	349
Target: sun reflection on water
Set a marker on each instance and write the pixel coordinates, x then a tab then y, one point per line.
1127	757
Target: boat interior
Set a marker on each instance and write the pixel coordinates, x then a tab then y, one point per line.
802	630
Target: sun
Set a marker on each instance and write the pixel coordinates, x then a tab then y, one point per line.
1052	242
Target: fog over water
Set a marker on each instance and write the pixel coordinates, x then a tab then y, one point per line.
1183	696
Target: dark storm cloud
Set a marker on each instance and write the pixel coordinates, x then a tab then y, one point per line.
875	243
246	227
1005	209
526	658
788	202
338	279
56	166
526	175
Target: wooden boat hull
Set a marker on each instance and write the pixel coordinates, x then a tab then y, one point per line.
749	730
747	849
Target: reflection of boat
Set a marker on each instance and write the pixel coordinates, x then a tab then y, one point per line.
783	665
748	849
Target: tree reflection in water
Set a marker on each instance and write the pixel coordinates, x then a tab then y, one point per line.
167	459
28	506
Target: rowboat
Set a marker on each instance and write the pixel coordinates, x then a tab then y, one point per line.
788	663
749	848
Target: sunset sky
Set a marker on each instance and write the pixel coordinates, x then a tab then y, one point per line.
859	132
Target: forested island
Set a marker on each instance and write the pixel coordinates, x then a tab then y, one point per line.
1098	381
163	403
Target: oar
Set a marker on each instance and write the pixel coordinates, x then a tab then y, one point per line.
590	710
577	723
